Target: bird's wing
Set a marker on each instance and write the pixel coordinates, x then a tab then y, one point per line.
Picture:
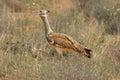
61	40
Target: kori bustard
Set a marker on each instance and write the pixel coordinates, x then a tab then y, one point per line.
61	42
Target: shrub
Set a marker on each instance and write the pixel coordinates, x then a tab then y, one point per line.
103	11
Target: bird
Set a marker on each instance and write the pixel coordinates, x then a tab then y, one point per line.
59	41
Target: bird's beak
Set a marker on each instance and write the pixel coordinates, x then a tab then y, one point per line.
36	12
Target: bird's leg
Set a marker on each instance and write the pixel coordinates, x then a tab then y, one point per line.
60	55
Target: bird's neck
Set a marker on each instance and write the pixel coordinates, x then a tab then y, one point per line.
47	25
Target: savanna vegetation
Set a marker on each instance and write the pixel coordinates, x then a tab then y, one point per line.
25	54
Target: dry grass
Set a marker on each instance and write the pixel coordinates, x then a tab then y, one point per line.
25	55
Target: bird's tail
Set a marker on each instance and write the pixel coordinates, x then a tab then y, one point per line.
87	52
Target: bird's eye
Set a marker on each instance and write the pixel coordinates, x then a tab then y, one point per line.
40	11
48	11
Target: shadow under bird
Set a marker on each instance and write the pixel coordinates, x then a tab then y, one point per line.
61	42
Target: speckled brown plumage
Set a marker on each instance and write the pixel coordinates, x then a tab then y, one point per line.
64	42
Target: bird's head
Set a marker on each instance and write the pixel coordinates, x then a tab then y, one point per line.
41	12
